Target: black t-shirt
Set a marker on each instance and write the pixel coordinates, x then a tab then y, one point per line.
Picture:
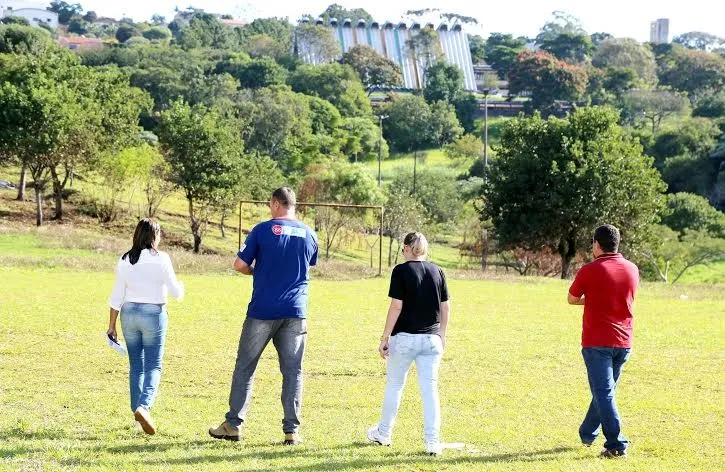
422	287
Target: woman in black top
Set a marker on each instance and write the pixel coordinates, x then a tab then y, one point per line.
415	331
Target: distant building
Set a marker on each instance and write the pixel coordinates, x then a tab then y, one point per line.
659	31
80	43
233	23
390	40
35	14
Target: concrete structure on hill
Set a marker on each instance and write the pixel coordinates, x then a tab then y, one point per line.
390	40
659	31
35	14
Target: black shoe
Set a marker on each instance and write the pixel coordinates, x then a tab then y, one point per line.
613	454
292	439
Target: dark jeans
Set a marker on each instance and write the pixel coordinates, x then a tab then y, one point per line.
604	365
289	336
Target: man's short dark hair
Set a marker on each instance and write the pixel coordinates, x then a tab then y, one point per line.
285	196
608	238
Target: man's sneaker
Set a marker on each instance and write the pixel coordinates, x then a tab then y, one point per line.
375	436
613	454
433	449
226	431
292	439
143	416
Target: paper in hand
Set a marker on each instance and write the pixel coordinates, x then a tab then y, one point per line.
113	344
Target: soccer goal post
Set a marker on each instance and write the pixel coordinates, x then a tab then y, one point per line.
379	208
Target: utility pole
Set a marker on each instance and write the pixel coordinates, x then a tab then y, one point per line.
380	151
485	134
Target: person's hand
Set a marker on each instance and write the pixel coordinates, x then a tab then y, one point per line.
442	335
112	333
384	348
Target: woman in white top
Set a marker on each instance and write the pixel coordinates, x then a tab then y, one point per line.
144	275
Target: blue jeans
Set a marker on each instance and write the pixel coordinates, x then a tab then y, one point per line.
144	329
604	365
426	351
289	337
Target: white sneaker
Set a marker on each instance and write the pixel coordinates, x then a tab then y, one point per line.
433	449
375	436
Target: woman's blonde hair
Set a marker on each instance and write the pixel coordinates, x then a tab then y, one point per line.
417	244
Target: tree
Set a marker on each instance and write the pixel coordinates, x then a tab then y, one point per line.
90	17
17	39
570	47
158	20
627	53
59	115
65	10
254	73
693	72
677	254
547	78
204	150
436	189
501	52
693	136
374	70
562	23
598	38
443	82
338	182
78	25
122	170
553	181
699	40
126	32
278	29
205	31
408	123
261	45
403	214
444	125
477	45
362	139
341	13
467	147
336	83
711	105
14	20
157	33
466	110
278	123
316	43
687	211
425	47
654	105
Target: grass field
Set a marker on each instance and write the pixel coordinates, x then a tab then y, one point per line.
513	386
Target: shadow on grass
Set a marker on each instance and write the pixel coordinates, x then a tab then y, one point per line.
324	458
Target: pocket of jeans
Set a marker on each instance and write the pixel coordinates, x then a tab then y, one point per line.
401	344
436	344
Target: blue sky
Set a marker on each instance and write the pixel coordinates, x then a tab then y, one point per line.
523	17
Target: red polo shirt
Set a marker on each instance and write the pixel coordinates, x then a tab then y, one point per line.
609	285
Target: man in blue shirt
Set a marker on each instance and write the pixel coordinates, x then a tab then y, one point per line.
278	254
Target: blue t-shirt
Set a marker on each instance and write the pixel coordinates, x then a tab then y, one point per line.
282	252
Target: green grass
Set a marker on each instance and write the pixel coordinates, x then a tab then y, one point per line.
512	382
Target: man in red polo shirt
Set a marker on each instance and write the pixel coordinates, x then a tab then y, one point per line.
606	287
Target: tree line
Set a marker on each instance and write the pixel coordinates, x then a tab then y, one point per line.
226	113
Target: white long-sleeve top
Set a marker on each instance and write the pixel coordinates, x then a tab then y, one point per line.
147	281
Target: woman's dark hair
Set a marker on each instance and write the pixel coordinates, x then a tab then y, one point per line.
147	230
